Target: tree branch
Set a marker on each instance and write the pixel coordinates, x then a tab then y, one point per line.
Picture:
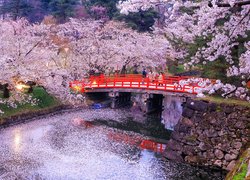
33	48
236	4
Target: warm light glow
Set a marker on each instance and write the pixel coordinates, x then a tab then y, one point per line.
77	87
66	49
17	140
94	82
20	87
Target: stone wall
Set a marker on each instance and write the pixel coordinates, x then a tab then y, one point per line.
210	134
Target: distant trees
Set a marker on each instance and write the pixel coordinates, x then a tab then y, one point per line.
35	10
141	21
62	9
15	8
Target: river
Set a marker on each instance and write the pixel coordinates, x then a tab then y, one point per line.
88	145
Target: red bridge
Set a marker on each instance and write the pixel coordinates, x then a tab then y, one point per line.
134	81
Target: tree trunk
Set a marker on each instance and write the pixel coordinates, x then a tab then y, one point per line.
6	92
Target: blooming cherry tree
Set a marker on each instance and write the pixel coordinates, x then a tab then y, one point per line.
52	55
222	26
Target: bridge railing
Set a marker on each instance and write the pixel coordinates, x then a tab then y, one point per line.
135	81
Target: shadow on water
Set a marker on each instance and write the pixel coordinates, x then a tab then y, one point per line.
150	126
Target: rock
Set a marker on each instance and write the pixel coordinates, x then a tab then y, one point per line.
176	136
233	115
208	155
212	107
211	133
204	146
218	163
237	145
234	151
231	165
202	137
244	140
192	159
229	157
240	125
190	140
221	133
187	122
197	105
189	150
183	128
215	140
174	145
173	155
219	154
228	110
187	112
197	118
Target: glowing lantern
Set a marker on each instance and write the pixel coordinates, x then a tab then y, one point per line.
21	86
77	87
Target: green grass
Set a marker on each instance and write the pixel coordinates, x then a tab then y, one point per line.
46	101
240	169
242	174
176	69
229	101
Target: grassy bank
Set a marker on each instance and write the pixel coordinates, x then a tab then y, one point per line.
45	101
240	169
229	101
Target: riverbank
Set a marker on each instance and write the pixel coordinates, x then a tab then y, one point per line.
45	105
26	116
242	168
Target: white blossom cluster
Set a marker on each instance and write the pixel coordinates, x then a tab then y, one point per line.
207	86
18	98
134	5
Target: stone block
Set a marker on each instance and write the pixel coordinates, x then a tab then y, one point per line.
231	165
229	157
197	105
187	112
219	154
174	156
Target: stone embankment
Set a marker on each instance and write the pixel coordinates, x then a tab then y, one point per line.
209	134
27	116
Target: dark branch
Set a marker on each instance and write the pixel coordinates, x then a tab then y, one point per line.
227	94
33	47
236	4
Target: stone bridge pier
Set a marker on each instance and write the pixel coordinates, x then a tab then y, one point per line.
172	110
119	99
148	103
